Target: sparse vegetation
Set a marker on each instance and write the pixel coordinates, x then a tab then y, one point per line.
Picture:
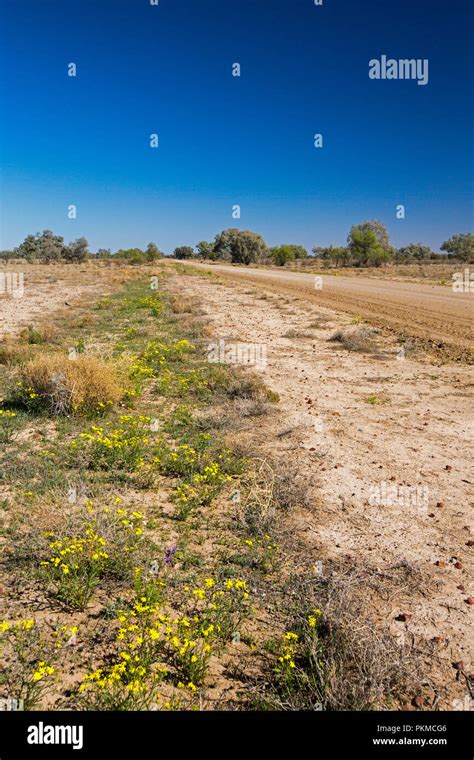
143	519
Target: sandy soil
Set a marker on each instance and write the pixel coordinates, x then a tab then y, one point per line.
361	424
49	289
433	313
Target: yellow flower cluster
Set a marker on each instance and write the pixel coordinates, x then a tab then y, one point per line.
287	655
296	650
26	391
21	625
156	358
116	447
6	414
7	425
78	562
153	302
154	643
26	640
313	619
139	370
201	490
262	552
115	439
159	354
180	461
42	671
65	634
179	384
68	552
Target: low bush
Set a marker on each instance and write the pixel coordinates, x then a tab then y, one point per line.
159	646
53	383
102	543
12	353
113	446
355	339
44	333
30	656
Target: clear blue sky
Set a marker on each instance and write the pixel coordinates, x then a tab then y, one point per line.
223	140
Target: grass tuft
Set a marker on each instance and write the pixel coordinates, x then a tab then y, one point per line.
60	386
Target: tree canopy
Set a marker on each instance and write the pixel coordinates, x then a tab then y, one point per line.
461	246
240	246
283	253
183	252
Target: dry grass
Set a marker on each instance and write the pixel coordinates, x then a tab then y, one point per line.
267	492
290	490
358	339
351	664
88	319
182	305
12	353
82	386
365	668
235	382
319	323
43	333
257	407
298	334
247	385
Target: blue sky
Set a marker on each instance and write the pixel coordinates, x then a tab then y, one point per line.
143	69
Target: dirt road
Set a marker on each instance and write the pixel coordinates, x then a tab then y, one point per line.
432	313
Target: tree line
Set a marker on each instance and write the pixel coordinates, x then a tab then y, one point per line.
46	247
368	244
